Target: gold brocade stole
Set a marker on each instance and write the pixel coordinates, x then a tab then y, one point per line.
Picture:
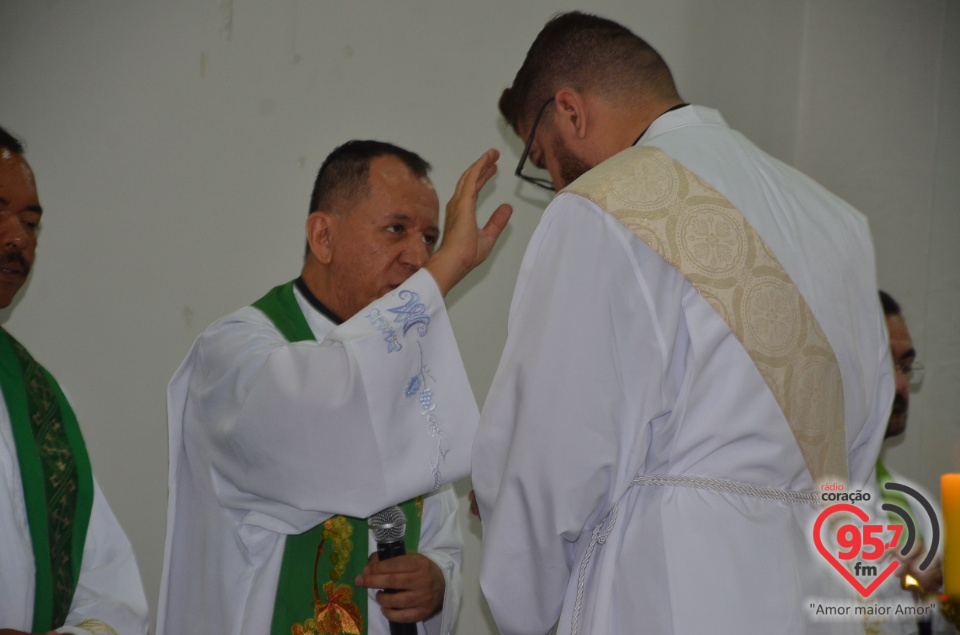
704	237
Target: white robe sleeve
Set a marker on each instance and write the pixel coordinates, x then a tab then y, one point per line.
565	425
109	591
442	542
378	412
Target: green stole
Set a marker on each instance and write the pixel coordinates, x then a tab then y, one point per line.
56	475
315	593
706	238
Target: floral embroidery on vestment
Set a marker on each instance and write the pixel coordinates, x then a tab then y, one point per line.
339	613
417	385
411	314
389	335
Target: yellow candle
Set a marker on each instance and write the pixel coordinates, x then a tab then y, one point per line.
950	496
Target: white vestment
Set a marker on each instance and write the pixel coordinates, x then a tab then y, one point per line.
270	438
616	366
109	589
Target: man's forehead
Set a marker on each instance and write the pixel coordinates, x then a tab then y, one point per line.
15	171
392	169
394	189
391	172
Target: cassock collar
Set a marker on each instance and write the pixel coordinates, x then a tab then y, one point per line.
314	302
640	136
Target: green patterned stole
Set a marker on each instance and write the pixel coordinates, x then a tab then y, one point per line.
57	481
315	593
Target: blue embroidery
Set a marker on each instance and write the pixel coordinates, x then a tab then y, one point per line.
426	399
412	313
413	386
389	335
418	384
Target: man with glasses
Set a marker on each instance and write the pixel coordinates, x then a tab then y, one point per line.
909	375
694	350
908	371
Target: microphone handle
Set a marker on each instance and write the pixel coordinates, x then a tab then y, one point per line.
390	550
396	628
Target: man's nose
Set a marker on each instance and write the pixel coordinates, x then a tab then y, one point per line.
417	253
12	233
902	381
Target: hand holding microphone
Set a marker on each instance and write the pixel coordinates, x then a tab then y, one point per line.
413	584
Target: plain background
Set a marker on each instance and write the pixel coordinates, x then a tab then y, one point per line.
175	144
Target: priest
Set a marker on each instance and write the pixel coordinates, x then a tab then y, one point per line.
333	396
66	565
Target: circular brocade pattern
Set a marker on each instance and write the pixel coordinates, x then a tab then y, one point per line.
648	236
771	316
651	185
814	390
712	239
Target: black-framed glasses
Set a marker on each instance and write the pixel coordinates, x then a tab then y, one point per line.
546	184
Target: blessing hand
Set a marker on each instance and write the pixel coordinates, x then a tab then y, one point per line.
465	245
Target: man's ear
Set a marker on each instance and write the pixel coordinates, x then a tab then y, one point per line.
572	113
319	231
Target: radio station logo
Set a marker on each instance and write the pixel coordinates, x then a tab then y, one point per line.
855	545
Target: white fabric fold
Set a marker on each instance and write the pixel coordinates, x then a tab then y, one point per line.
270	438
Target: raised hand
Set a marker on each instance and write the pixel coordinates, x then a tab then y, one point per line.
465	245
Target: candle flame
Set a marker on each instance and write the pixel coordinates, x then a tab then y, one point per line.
909	583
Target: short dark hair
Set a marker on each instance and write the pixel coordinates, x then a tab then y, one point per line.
10	143
890	306
342	178
583	51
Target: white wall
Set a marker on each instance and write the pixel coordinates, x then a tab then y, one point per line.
880	126
175	145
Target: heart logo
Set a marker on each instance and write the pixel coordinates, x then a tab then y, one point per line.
844	571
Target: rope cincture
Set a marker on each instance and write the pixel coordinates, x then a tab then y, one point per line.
605	526
730	487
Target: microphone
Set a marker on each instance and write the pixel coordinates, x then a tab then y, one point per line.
389	527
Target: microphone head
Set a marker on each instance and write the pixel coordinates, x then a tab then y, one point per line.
388	525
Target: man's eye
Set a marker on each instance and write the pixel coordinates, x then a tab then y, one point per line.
430	239
395	229
31	221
